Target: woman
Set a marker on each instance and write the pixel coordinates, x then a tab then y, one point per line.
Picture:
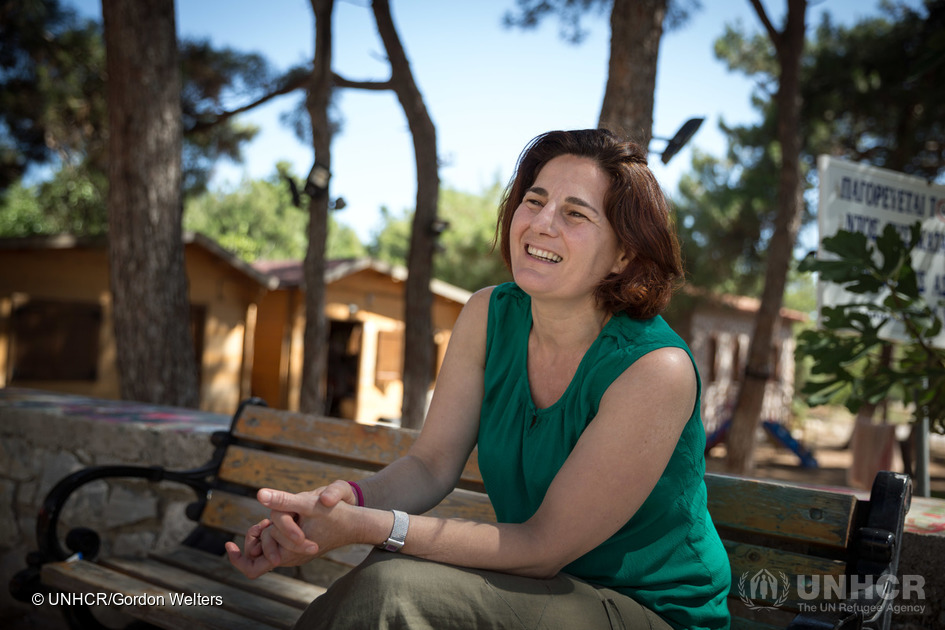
585	408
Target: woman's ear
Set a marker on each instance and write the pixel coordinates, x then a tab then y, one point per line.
622	261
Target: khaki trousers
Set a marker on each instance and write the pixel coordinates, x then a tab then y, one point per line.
392	591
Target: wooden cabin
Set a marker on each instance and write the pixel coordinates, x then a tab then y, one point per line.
56	330
365	308
718	329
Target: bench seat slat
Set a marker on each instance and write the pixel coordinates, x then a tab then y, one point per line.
87	577
806	514
374	446
272	585
245	602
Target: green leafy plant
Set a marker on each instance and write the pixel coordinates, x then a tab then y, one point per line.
846	349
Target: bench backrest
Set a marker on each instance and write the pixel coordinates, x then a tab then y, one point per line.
268	448
783	531
777	532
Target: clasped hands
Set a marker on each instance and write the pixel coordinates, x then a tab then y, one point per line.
300	527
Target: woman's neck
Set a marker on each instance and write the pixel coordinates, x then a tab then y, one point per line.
564	327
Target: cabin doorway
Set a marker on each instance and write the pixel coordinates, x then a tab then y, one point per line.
344	359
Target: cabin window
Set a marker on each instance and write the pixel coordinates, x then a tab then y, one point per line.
55	341
390	357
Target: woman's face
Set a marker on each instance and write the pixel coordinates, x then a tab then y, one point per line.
561	243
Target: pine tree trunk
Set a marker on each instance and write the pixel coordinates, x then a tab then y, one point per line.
789	46
151	311
636	27
315	352
418	341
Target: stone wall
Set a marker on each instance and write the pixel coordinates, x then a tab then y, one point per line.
44	437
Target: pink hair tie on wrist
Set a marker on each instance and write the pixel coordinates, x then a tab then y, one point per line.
358	493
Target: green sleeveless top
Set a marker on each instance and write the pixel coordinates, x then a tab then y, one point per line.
668	556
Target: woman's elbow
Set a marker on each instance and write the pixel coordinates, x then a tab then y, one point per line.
542	566
542	572
540	552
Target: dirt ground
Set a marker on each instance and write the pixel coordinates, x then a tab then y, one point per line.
826	433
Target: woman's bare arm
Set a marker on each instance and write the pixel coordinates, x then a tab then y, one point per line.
613	468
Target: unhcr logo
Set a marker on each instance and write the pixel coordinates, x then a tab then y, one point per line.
866	595
765	587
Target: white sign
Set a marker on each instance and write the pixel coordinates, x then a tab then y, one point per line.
866	199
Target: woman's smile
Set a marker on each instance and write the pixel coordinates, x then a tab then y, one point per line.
542	254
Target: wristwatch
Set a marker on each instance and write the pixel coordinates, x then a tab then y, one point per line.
398	533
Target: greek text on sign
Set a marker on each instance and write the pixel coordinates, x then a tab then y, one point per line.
865	199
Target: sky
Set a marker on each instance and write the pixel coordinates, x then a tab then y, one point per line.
489	89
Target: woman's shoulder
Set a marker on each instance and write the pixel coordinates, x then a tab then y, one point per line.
642	344
480	300
650	333
509	290
475	314
495	301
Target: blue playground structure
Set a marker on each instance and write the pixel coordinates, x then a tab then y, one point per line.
776	430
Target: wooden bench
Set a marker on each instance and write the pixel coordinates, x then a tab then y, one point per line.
773	532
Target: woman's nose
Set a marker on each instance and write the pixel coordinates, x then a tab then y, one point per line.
544	221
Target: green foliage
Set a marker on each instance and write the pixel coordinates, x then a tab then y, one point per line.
847	349
211	80
727	206
752	54
876	91
391	242
52	96
465	257
529	13
21	215
724	214
71	202
259	221
343	241
871	92
52	86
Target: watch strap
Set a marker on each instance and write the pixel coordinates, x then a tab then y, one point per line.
398	533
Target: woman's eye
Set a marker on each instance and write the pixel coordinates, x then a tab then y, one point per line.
577	215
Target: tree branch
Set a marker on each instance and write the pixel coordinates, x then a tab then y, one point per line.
773	33
292	81
340	81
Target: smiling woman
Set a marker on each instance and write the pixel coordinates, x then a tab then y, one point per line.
562	241
584	405
612	190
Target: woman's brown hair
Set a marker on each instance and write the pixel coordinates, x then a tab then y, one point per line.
634	205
